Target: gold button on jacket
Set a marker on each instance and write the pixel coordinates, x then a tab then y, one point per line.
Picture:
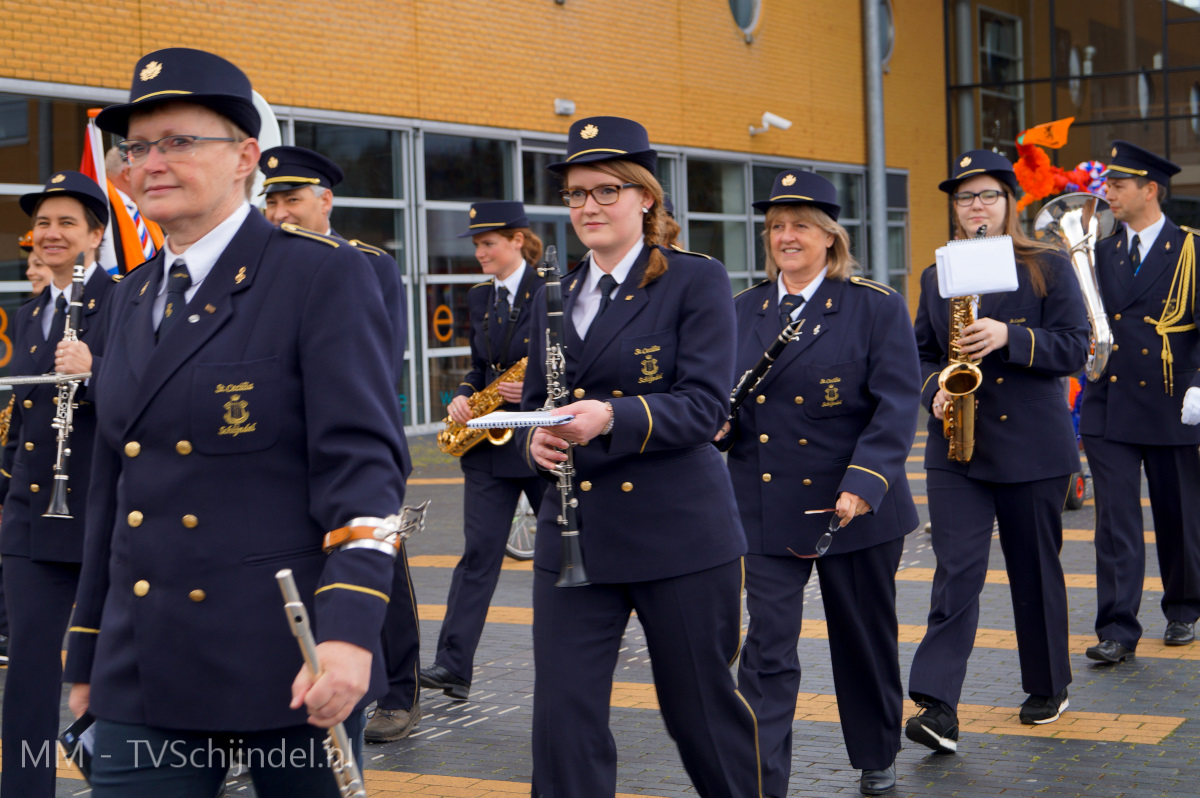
28	403
766	477
190	521
764	438
626	486
141	587
1113	378
808	482
799	400
135	518
133	449
34	488
804	441
184	447
197	595
617	394
761	399
29	446
585	485
578	393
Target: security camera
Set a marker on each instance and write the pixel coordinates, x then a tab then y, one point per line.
770	120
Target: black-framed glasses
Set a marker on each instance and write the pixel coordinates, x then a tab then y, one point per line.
965	199
173	148
603	195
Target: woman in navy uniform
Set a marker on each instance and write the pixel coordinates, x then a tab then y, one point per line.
502	324
1144	411
247	423
42	555
649	357
1024	341
830	425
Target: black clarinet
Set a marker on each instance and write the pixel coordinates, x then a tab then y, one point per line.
753	376
65	414
572	573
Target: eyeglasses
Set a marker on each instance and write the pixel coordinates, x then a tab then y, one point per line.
965	199
173	148
603	195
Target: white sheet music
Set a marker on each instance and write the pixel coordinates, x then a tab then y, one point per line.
530	418
976	266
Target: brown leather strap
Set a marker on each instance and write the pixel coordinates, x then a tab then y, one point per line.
346	534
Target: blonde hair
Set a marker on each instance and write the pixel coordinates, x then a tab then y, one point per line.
531	247
839	263
654	226
1027	249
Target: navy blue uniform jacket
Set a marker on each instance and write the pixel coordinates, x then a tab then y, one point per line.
33	443
1130	403
262	420
837	412
506	460
1023	429
655	499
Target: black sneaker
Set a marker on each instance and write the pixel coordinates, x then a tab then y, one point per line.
935	726
1039	709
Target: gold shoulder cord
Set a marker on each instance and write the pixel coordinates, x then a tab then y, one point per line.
1183	285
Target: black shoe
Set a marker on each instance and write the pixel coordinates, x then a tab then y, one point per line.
439	678
877	782
3	649
1039	709
935	726
1179	633
1109	651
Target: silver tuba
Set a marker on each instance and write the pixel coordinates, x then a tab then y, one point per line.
1077	221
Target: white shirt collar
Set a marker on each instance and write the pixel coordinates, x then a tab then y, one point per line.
512	282
1146	237
619	272
203	255
807	293
55	291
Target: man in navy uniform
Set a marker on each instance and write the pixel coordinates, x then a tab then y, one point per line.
299	191
1144	410
245	424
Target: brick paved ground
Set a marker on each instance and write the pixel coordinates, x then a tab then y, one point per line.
1132	729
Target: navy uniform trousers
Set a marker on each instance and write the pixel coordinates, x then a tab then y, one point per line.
858	590
576	642
1173	477
489	503
961	511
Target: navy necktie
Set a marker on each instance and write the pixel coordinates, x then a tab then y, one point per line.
786	305
58	323
1135	253
607	284
179	279
502	306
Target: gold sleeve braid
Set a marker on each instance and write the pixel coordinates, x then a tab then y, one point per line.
1183	286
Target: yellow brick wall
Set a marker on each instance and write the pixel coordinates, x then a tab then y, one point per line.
681	67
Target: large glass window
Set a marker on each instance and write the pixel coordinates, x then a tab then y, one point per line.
467	169
369	157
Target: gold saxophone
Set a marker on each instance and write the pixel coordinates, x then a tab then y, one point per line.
456	439
960	379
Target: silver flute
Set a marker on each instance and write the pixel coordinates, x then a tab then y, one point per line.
337	742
